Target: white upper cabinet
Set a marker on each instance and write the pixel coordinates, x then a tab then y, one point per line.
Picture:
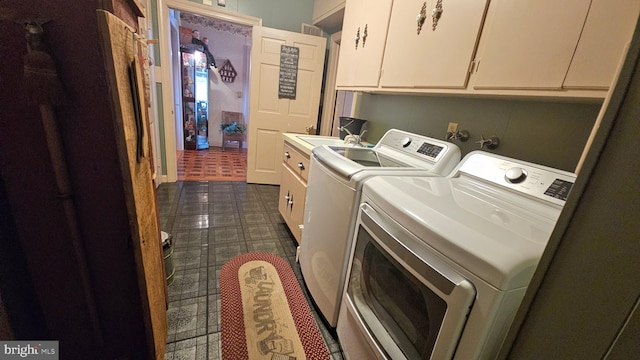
364	33
328	14
529	44
608	29
325	8
568	48
439	56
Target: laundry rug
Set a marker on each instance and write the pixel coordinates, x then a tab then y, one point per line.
264	314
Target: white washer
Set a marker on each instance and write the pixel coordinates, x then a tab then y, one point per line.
470	241
335	179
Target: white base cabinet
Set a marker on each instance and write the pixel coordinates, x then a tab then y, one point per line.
293	188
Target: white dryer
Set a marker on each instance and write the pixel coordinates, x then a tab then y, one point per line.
440	265
335	180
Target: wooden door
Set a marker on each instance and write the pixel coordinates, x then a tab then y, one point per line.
270	115
123	62
529	44
428	59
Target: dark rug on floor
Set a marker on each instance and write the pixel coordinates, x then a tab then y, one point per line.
264	314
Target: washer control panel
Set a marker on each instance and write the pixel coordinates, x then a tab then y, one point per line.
532	179
423	147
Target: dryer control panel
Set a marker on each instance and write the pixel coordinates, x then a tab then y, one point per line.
540	181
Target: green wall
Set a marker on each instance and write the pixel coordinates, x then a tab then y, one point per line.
278	14
550	133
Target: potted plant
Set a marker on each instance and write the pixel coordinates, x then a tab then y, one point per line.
233	128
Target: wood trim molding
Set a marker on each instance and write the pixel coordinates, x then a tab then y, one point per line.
329	102
164	37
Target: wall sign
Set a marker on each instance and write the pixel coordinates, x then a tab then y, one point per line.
288	71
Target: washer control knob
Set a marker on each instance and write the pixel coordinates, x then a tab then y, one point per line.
515	175
406	142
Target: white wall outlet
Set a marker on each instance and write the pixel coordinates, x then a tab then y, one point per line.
453	127
222	2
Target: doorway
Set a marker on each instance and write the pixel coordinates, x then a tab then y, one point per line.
211	23
225	82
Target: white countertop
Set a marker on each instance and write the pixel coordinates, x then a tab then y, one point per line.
306	147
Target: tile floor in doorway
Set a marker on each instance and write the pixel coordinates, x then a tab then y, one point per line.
211	222
212	164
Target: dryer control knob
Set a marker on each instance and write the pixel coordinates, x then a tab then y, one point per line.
515	175
406	142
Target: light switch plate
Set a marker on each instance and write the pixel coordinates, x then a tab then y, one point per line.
222	2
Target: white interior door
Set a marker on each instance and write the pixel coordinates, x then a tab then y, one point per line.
269	115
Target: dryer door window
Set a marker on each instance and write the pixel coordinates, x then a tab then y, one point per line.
411	313
409	307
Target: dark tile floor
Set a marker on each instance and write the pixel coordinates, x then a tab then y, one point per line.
211	222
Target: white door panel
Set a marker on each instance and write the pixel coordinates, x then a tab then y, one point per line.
269	115
266	139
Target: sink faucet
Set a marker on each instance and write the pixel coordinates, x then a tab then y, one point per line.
351	138
356	140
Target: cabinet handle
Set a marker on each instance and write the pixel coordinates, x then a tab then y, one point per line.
357	37
287	155
364	34
435	14
422	16
300	166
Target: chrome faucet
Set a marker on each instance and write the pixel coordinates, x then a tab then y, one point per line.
356	140
351	138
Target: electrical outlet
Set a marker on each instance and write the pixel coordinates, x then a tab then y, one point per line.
222	2
453	127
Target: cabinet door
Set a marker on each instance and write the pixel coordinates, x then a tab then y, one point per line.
529	44
368	21
296	206
347	56
428	59
285	193
608	29
292	200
